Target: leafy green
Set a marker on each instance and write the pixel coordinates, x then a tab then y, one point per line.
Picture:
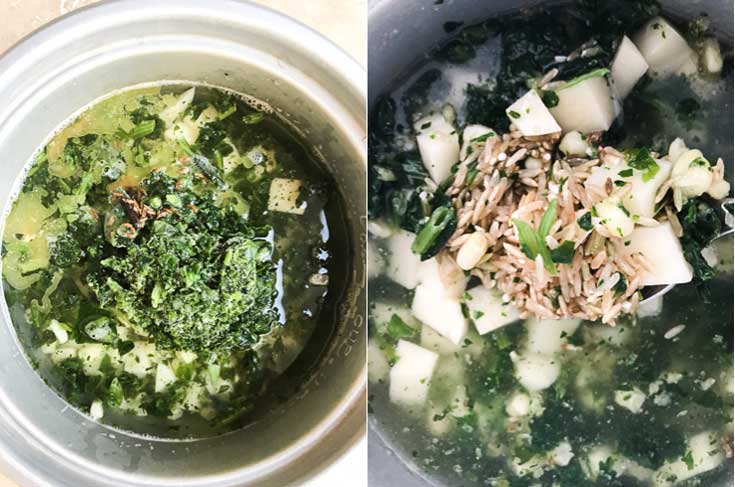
398	329
564	253
197	278
650	442
585	221
641	160
65	251
700	224
550	98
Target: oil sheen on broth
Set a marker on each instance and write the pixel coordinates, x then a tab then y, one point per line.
169	257
633	405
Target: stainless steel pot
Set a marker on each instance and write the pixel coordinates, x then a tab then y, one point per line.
58	70
400	33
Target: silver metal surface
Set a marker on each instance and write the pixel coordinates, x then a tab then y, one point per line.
400	34
316	87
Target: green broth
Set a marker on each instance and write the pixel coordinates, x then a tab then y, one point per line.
156	279
468	437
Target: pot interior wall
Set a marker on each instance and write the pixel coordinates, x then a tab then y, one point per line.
46	80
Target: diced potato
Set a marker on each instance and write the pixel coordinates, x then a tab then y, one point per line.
677	148
598	455
138	360
472	132
711	56
662	250
410	377
431	340
706	455
284	195
518	405
627	68
536	371
433	124
585	107
91	355
454	282
173	112
549	336
531	117
403	264
164	377
641	200
664	49
378	367
651	308
96	410
443	313
186	129
562	454
488	311
59	331
631	400
438	145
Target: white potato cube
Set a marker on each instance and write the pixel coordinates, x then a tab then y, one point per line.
443	313
488	311
662	250
631	400
164	377
438	143
536	371
531	117
284	195
706	454
628	67
96	409
454	282
403	264
665	49
549	336
586	106
431	340
410	377
473	132
173	112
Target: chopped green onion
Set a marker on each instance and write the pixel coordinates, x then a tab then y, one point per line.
253	118
641	160
533	245
440	219
548	220
584	77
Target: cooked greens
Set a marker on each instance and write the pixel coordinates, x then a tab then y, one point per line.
160	259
